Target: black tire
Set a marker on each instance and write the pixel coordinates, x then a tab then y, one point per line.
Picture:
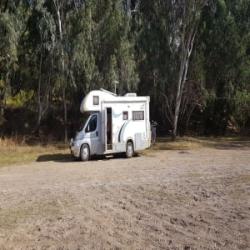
130	149
84	152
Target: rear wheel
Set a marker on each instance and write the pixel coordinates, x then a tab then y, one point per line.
85	152
129	149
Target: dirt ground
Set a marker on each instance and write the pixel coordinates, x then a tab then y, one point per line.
191	199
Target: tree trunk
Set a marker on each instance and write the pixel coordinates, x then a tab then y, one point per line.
178	96
65	117
63	72
187	49
128	7
39	103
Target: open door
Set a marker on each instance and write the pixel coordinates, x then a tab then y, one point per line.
109	129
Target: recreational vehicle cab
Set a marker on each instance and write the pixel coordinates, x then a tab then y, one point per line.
115	124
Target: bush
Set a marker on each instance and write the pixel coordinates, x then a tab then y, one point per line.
242	108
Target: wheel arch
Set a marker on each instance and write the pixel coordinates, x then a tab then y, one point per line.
130	139
85	143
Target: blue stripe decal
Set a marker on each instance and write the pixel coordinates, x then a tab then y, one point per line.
120	132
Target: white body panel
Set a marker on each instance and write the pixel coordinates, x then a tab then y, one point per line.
123	130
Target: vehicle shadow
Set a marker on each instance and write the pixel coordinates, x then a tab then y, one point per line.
55	157
69	158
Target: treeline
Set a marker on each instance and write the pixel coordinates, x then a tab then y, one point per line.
191	57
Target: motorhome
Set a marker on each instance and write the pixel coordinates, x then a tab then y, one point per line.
114	124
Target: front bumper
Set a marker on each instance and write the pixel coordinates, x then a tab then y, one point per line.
74	148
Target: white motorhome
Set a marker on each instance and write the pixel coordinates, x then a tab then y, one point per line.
115	124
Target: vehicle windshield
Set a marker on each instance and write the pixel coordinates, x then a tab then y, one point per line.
83	121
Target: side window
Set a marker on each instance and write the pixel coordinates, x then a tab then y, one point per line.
125	115
92	124
138	115
95	100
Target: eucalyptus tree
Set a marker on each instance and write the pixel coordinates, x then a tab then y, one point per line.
12	20
8	54
185	19
166	43
83	42
226	42
115	51
41	39
61	11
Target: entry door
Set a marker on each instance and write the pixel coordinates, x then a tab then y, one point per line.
92	132
109	130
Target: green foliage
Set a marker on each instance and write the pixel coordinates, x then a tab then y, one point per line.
8	38
131	46
242	108
20	100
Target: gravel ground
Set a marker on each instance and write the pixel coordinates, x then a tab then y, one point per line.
196	199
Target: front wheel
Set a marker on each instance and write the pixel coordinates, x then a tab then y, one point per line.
129	149
84	153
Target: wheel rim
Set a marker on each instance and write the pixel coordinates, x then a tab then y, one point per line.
85	153
130	150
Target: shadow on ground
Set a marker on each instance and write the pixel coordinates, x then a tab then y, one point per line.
55	157
69	158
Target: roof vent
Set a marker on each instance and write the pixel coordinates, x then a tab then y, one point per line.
131	94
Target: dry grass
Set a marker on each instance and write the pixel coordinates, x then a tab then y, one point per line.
15	152
184	143
11	216
190	143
